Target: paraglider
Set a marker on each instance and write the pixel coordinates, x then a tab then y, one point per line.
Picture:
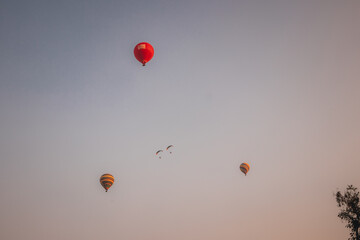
143	52
107	180
158	153
168	147
244	167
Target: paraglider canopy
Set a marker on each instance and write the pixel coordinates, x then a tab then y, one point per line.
107	180
168	147
143	52
158	153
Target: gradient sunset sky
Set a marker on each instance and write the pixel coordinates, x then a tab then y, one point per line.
274	83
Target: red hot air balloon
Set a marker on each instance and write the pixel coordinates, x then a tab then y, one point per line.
143	52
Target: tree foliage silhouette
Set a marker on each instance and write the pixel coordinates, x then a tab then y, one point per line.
348	202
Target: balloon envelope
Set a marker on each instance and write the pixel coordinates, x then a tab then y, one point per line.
143	52
244	167
107	180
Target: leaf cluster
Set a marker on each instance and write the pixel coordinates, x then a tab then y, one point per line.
348	202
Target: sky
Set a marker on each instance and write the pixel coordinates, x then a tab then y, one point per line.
274	83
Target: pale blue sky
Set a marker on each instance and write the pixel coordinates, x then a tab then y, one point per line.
272	83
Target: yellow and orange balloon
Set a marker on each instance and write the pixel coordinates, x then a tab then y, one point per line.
244	167
107	180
